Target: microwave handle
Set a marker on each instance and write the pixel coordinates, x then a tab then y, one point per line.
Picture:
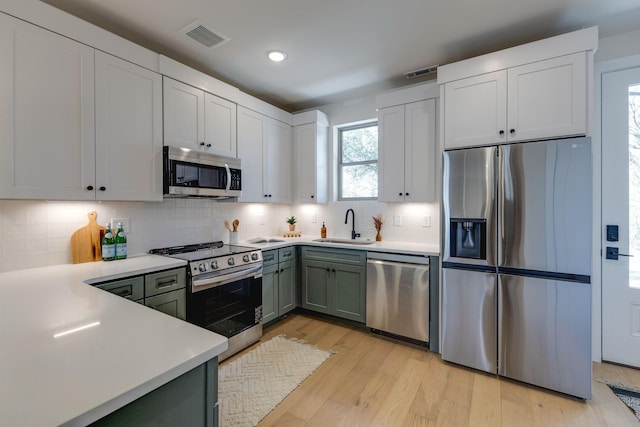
226	166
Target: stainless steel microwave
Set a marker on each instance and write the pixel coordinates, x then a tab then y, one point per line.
192	173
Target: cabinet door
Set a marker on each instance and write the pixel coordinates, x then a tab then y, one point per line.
349	292
548	98
315	276
183	115
269	293
278	162
420	151
220	126
286	287
128	131
47	130
252	134
172	303
310	163
475	110
391	154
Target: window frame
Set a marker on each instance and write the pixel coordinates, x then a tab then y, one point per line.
340	163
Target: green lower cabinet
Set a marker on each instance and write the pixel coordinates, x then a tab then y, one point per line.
334	288
173	303
189	400
279	282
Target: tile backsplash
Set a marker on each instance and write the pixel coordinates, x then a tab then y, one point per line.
38	233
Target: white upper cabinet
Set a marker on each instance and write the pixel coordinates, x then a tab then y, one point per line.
264	146
548	98
128	131
198	120
310	163
544	99
539	90
475	110
407	152
47	126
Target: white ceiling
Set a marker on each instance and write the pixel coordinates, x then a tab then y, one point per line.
342	48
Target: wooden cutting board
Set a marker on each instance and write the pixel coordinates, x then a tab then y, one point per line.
86	242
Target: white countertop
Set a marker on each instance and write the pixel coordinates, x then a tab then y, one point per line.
424	249
78	378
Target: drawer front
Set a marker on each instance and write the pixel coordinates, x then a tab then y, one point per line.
344	256
286	254
269	257
131	288
164	281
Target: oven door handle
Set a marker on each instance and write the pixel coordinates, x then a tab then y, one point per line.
226	166
226	278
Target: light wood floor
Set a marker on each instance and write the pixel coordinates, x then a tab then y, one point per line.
377	381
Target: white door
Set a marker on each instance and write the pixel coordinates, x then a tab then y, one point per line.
621	207
220	125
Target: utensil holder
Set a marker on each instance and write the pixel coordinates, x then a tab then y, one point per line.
233	237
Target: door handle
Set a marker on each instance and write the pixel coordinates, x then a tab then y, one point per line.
612	253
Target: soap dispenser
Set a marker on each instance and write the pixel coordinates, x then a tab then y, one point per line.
323	231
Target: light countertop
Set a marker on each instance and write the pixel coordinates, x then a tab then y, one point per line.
423	249
126	350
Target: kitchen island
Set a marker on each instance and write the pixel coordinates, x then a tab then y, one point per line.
71	353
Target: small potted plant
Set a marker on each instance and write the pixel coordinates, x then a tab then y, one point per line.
292	223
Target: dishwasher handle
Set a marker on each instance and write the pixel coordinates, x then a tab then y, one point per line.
398	258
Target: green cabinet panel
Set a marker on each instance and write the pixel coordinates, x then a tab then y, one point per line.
164	281
191	400
350	292
173	303
333	281
131	288
279	283
269	292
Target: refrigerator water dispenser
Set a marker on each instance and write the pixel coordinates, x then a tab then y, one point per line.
468	238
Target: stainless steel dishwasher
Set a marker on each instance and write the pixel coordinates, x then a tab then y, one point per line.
398	295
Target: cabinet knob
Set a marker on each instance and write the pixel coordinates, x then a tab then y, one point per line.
208	145
312	196
400	194
103	188
269	195
501	132
406	194
334	270
202	144
266	195
512	131
90	187
328	270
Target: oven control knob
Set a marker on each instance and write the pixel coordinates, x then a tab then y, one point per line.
245	258
214	265
254	257
231	261
202	268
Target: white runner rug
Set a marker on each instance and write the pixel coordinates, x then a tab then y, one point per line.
252	385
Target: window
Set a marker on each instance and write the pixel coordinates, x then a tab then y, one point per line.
358	162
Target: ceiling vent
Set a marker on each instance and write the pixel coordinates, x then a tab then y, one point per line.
421	72
204	35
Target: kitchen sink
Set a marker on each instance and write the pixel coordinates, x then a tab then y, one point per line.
265	240
345	241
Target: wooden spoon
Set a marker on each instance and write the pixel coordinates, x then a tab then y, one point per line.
227	225
236	223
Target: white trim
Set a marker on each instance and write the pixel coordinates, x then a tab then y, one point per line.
600	68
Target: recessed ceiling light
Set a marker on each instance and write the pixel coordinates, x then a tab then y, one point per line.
277	56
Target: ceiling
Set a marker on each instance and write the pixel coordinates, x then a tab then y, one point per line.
340	49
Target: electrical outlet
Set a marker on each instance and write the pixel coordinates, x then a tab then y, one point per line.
426	221
260	219
126	224
314	218
397	220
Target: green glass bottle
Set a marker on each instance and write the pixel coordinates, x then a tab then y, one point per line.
108	245
121	243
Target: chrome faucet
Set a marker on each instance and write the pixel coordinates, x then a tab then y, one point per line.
353	223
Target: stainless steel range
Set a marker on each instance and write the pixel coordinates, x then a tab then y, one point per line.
224	290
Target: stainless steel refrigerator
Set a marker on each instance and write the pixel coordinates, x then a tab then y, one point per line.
517	262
